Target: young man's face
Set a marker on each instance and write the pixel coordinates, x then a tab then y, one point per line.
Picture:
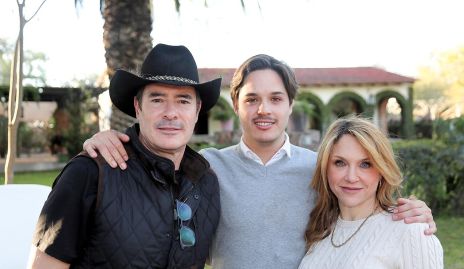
167	115
264	108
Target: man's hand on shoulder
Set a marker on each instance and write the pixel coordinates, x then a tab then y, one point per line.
110	145
415	211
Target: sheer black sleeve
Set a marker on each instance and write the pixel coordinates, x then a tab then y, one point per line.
67	215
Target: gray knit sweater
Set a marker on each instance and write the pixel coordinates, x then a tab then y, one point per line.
264	209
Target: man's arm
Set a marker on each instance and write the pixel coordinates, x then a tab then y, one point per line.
415	211
109	145
63	225
41	260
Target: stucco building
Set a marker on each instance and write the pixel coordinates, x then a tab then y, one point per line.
335	92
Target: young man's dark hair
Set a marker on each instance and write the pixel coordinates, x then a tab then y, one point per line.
261	62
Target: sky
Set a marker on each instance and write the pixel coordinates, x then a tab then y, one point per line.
397	35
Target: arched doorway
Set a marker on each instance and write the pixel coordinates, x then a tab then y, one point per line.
346	103
393	114
318	118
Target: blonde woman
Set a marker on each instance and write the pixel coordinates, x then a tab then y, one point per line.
356	179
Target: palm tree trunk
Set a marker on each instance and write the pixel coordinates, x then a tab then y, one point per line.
127	40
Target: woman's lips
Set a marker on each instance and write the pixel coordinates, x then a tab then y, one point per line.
351	189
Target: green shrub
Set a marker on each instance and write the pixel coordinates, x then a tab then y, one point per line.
3	135
199	146
433	171
450	131
25	135
222	111
79	106
423	128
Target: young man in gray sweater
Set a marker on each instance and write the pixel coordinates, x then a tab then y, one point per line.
264	180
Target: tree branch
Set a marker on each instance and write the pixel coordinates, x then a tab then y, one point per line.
35	13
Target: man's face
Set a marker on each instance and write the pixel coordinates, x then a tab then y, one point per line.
167	115
264	108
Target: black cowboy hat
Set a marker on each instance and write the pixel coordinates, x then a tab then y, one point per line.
173	65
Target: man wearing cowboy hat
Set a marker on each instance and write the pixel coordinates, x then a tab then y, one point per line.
160	212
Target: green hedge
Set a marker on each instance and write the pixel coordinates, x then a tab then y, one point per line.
434	171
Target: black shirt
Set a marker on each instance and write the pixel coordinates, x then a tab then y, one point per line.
70	208
67	214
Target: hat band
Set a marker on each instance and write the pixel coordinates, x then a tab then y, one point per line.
171	78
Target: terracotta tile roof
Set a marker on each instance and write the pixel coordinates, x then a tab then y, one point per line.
322	76
207	74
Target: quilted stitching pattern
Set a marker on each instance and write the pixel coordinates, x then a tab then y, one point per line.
134	226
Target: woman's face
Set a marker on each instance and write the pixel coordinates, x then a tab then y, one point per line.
352	176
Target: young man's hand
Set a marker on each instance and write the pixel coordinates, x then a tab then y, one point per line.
109	145
415	211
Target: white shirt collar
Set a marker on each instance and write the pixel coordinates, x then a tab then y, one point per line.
284	150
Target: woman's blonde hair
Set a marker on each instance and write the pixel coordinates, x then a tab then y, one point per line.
378	147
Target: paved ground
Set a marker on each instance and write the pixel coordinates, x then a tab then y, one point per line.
35	162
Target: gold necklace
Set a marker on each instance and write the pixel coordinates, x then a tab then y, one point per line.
351	236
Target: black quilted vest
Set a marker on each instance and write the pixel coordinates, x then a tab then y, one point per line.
134	217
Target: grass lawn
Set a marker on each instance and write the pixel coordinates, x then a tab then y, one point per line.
451	235
42	178
450	229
